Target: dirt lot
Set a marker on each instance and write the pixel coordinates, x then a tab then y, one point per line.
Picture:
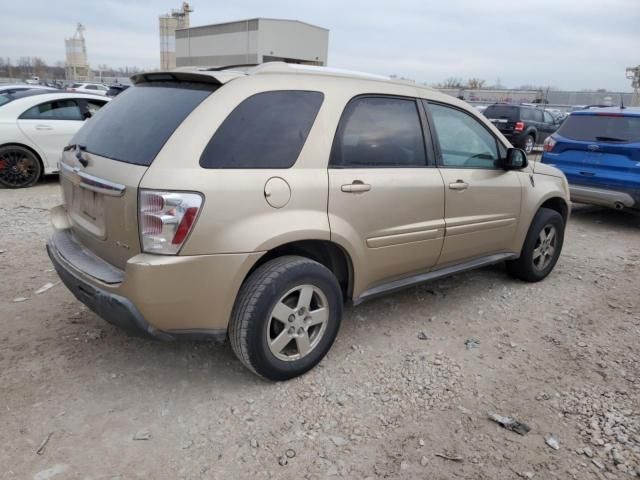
404	393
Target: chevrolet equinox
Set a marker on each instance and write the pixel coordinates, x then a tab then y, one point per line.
253	203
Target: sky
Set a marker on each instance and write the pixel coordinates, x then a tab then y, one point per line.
567	44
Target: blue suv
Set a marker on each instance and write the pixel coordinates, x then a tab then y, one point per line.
599	152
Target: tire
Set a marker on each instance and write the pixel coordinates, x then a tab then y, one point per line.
272	302
536	261
528	143
19	167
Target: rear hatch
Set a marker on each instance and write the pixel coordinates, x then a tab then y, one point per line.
599	149
106	160
504	117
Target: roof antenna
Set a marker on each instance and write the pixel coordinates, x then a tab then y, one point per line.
622	107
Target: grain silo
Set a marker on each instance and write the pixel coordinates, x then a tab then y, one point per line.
77	67
168	24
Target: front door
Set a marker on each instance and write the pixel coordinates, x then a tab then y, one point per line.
482	200
386	202
51	125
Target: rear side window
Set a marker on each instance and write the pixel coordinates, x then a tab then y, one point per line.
502	111
379	132
57	110
138	122
601	128
267	130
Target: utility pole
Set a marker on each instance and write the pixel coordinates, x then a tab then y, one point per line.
633	74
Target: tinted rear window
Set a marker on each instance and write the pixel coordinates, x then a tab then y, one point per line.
137	123
502	111
601	128
267	130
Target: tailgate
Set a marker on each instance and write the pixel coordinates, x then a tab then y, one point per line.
102	205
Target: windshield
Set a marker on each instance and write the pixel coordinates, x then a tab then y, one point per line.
601	128
134	126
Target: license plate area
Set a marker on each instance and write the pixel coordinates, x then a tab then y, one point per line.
87	210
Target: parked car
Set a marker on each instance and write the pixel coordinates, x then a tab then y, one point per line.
116	90
524	126
34	128
19	87
95	88
480	108
599	152
256	203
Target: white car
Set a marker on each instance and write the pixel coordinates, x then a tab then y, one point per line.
95	88
18	87
35	126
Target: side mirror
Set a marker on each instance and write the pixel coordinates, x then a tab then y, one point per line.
516	159
86	115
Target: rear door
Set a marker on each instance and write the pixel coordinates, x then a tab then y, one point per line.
51	125
386	199
547	127
104	164
599	149
482	201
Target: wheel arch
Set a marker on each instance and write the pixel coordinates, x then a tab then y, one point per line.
558	204
327	253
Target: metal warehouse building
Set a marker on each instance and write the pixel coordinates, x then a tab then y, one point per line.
252	41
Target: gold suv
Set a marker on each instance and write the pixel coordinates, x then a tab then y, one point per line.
255	202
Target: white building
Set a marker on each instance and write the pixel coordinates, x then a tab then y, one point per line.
252	41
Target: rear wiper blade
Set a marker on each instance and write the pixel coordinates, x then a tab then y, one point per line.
611	139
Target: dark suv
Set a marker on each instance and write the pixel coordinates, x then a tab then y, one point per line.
524	126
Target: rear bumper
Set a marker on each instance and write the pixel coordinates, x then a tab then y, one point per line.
603	197
115	309
163	297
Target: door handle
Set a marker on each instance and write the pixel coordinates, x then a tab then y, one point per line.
357	186
459	185
588	174
43	127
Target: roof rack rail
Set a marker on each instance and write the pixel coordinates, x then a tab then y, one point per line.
229	67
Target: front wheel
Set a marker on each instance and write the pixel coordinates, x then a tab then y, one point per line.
286	317
541	248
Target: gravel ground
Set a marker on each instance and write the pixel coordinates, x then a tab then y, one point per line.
404	393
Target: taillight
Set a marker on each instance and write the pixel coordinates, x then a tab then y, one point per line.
548	144
519	127
165	219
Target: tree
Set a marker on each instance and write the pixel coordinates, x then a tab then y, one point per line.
451	82
39	67
475	83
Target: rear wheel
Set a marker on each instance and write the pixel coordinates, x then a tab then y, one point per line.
19	167
528	144
286	317
541	248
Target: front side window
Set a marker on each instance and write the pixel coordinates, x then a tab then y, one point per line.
464	141
91	87
56	110
267	130
378	132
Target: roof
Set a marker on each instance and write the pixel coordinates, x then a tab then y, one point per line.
223	75
627	111
256	19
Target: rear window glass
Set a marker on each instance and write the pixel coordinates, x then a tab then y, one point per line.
137	123
601	128
267	130
502	111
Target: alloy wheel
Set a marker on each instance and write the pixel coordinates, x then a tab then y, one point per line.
545	247
297	323
17	168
